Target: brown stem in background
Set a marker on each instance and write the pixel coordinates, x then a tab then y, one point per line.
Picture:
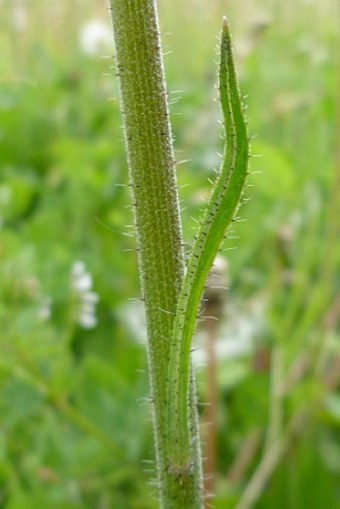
214	304
210	417
244	458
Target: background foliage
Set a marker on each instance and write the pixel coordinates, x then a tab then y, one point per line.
74	413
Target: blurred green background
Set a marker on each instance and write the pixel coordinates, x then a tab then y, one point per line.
75	427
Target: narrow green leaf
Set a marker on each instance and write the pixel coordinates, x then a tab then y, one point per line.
220	212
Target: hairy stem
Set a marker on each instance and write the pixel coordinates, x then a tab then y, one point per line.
161	261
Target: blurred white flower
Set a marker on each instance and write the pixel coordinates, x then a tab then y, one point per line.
82	283
90	298
87	320
86	299
95	37
78	268
81	280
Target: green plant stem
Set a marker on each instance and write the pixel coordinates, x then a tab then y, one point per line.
159	239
